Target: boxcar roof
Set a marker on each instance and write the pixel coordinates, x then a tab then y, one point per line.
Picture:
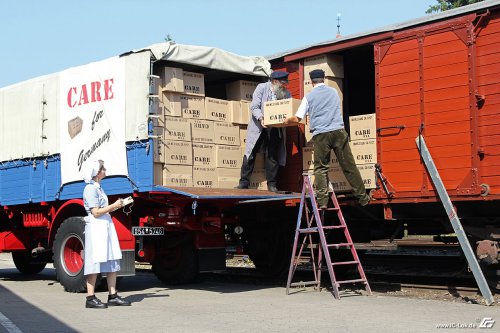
396	27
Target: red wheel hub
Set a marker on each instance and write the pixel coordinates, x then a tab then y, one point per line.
72	255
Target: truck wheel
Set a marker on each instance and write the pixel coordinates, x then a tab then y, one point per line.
27	264
270	249
178	264
68	254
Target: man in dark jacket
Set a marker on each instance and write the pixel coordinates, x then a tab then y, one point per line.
272	139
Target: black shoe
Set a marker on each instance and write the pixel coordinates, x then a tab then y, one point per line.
95	303
272	188
241	186
115	300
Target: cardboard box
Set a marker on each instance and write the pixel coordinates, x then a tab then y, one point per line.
333	65
178	175
205	177
243	136
226	134
240	90
171	104
367	172
228	178
258	179
217	109
204	155
336	83
193	107
194	83
178	152
364	151
240	112
275	112
363	127
177	129
308	159
173	79
228	156
338	180
202	131
158	149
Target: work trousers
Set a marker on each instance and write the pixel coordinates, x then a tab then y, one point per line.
270	139
337	140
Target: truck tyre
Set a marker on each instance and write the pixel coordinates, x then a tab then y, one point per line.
270	249
27	264
68	254
176	264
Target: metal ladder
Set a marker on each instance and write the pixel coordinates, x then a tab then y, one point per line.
312	228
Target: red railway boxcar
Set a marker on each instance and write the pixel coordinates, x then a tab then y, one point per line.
438	76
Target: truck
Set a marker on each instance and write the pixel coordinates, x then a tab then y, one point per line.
55	124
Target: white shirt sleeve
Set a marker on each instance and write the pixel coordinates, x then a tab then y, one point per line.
301	112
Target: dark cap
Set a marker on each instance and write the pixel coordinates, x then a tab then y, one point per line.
317	74
281	76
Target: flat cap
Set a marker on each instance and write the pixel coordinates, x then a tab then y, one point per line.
278	75
317	74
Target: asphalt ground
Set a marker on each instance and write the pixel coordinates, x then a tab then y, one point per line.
39	304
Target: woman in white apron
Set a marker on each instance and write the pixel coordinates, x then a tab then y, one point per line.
102	249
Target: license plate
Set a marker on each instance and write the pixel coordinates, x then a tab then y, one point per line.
147	231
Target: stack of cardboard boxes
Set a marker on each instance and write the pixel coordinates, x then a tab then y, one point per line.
198	139
363	129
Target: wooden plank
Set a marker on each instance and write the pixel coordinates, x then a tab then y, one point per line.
447	94
490	119
399	90
440	39
397	79
410	99
433	130
400	57
388	70
485	60
489	78
489	130
402	155
456	57
446	105
445	116
488	49
446	82
443	48
446	70
456	138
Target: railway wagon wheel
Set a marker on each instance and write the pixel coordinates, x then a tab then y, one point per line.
27	264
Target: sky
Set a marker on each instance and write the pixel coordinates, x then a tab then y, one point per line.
40	37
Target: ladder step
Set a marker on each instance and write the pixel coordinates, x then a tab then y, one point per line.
306	283
334	227
330	208
345	263
339	244
352	281
308	230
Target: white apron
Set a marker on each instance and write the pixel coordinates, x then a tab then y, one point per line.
101	243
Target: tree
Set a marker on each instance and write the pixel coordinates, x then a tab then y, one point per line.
169	38
443	5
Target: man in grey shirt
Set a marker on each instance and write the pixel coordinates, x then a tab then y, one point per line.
327	128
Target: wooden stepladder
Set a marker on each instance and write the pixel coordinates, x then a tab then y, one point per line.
315	225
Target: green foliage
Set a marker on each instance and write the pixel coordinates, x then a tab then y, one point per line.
169	38
443	5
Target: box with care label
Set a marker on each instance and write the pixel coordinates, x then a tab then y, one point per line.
258	179
177	175
173	79
202	131
205	177
204	154
243	136
227	134
193	107
178	129
363	127
217	109
367	172
240	90
194	83
308	159
228	178
332	65
275	112
178	152
364	151
228	156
